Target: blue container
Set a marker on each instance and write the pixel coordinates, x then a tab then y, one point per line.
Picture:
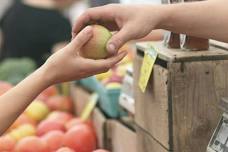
108	98
90	83
109	103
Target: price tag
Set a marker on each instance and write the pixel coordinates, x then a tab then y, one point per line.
147	66
89	107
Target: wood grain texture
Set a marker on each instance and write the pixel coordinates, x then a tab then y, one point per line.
99	122
152	106
145	143
177	55
121	138
196	88
80	98
180	107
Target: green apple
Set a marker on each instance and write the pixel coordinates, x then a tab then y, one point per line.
95	48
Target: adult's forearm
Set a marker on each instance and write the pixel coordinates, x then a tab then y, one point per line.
15	101
207	19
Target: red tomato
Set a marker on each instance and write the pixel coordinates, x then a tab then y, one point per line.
61	103
100	150
42	98
60	116
49	125
51	91
54	140
31	144
80	138
4	87
77	121
7	143
21	120
65	149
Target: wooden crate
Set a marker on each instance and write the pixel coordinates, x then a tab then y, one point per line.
146	143
120	138
179	108
99	122
113	135
80	98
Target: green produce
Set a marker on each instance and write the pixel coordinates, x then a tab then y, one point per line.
14	70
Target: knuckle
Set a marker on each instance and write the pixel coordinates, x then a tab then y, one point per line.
108	66
116	40
86	15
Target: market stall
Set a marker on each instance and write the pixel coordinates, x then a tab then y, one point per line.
166	92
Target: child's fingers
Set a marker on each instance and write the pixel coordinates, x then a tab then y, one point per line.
82	38
104	65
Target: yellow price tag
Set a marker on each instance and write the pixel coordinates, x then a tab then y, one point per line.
89	107
147	66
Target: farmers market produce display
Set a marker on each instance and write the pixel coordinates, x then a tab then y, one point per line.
48	125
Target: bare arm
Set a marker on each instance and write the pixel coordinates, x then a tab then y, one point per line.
14	102
64	65
207	19
155	35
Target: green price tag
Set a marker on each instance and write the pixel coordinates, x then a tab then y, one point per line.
147	66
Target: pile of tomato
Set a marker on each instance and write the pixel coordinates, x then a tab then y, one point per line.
48	125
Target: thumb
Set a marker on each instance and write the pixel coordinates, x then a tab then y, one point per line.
118	40
82	38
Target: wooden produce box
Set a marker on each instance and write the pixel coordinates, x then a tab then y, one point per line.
80	98
120	138
99	122
180	106
113	135
146	143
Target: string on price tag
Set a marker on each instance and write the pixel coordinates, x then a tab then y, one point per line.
147	66
89	107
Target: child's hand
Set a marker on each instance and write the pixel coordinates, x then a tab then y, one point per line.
67	65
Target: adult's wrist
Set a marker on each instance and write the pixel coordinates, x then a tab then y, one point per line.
165	15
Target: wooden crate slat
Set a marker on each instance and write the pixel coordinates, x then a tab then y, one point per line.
195	101
121	138
152	114
180	106
177	55
145	143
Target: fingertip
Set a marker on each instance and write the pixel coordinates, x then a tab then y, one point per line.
88	29
87	32
78	40
111	49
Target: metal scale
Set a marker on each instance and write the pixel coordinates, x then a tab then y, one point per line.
219	140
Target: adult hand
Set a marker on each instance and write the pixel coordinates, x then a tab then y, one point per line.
130	21
67	64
